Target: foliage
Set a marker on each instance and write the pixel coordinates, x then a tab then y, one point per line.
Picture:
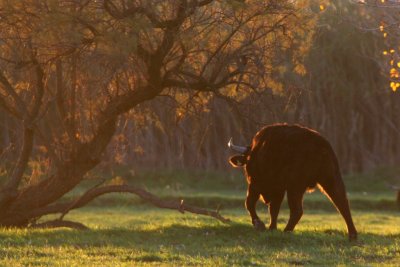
382	19
69	70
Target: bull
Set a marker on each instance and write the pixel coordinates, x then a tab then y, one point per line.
290	159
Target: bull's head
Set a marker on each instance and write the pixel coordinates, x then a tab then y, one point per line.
238	160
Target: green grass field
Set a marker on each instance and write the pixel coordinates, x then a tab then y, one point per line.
126	232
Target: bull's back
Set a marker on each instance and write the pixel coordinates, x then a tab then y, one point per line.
289	156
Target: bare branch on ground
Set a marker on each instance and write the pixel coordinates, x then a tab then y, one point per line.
91	194
59	223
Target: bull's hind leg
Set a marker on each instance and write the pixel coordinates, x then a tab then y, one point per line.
295	201
335	190
274	208
251	200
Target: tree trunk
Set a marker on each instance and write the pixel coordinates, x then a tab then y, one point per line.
67	176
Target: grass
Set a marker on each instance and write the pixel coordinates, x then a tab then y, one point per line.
135	236
126	232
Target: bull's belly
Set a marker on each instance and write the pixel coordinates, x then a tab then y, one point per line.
272	187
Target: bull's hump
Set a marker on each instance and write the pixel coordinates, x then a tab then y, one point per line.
288	141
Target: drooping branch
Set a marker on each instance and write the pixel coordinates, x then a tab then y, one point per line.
59	223
9	190
19	169
29	118
143	194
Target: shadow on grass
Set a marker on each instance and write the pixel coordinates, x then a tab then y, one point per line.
224	235
237	244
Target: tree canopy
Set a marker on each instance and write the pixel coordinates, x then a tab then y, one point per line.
70	69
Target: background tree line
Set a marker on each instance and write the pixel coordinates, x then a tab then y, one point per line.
340	88
343	90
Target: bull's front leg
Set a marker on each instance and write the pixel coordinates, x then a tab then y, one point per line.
251	200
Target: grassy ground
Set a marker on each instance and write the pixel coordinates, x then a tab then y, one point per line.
131	236
126	232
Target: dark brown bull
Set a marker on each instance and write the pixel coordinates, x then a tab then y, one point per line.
293	159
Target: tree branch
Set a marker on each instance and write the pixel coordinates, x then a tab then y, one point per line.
10	91
59	223
145	195
10	188
7	108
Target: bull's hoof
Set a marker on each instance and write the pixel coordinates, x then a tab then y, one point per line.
352	237
258	225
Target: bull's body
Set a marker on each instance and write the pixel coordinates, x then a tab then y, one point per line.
293	159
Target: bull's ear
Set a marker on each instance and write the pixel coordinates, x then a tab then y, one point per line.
238	160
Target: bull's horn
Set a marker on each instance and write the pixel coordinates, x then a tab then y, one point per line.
240	149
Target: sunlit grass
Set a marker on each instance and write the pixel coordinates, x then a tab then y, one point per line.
126	232
131	236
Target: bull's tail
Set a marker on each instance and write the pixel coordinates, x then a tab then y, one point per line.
333	186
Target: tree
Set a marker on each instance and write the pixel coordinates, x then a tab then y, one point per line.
70	69
382	18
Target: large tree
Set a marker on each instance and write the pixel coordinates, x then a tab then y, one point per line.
70	69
